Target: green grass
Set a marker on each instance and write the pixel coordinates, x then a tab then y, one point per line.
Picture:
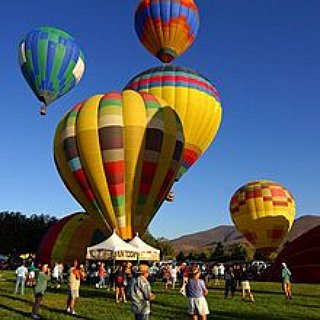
99	304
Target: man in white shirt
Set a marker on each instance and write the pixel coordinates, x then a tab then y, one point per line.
21	273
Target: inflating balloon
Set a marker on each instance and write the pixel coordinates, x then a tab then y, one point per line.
69	238
166	28
51	63
195	100
263	211
119	155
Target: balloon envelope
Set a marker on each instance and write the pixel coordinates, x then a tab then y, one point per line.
263	211
195	100
119	154
69	238
166	28
51	62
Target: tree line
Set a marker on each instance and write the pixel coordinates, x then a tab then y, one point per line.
21	234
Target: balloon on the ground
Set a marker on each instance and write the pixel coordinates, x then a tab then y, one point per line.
195	100
166	28
119	155
51	62
69	238
263	211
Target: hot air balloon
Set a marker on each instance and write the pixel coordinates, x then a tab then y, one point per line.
166	28
119	154
69	238
263	211
195	100
51	62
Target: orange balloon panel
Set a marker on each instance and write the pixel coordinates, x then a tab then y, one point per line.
263	211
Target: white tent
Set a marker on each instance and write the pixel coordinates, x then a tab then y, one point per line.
113	248
146	252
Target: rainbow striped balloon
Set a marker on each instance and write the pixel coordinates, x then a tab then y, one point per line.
69	238
166	28
195	100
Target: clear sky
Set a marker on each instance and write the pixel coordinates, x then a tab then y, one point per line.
263	57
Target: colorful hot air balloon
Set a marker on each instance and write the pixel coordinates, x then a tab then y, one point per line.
119	154
69	238
263	211
166	28
51	62
195	100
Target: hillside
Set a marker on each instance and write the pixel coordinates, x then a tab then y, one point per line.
228	235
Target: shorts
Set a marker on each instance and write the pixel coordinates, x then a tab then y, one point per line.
74	293
198	306
245	285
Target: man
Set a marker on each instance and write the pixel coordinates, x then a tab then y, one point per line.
140	294
286	282
74	285
21	273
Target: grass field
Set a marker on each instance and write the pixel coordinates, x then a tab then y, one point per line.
99	304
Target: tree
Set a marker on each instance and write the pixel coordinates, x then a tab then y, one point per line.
181	257
218	253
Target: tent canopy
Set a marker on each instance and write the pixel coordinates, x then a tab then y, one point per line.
113	247
146	251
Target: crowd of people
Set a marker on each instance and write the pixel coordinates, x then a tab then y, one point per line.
133	283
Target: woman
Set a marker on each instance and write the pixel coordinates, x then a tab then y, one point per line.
196	291
40	288
286	282
119	284
230	282
245	284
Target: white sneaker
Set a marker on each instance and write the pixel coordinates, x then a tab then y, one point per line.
35	316
73	312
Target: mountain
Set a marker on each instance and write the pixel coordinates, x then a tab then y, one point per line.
229	235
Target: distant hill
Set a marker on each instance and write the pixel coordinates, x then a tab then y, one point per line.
229	235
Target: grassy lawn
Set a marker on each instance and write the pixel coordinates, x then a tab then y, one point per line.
99	304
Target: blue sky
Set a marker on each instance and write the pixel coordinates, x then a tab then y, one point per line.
263	57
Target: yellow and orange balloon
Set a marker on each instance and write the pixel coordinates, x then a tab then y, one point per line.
263	211
119	154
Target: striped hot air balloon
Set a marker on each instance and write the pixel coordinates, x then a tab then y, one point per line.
51	62
263	211
195	100
69	238
166	28
119	154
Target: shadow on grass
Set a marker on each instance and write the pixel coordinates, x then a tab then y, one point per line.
22	313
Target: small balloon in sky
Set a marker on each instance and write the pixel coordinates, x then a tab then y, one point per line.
166	28
51	62
263	211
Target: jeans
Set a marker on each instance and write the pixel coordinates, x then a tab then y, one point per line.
20	283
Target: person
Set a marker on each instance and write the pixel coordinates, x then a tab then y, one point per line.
221	269
40	288
286	281
166	276
173	276
140	294
119	278
55	276
245	284
21	273
74	286
31	275
230	282
196	292
60	271
102	273
215	272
